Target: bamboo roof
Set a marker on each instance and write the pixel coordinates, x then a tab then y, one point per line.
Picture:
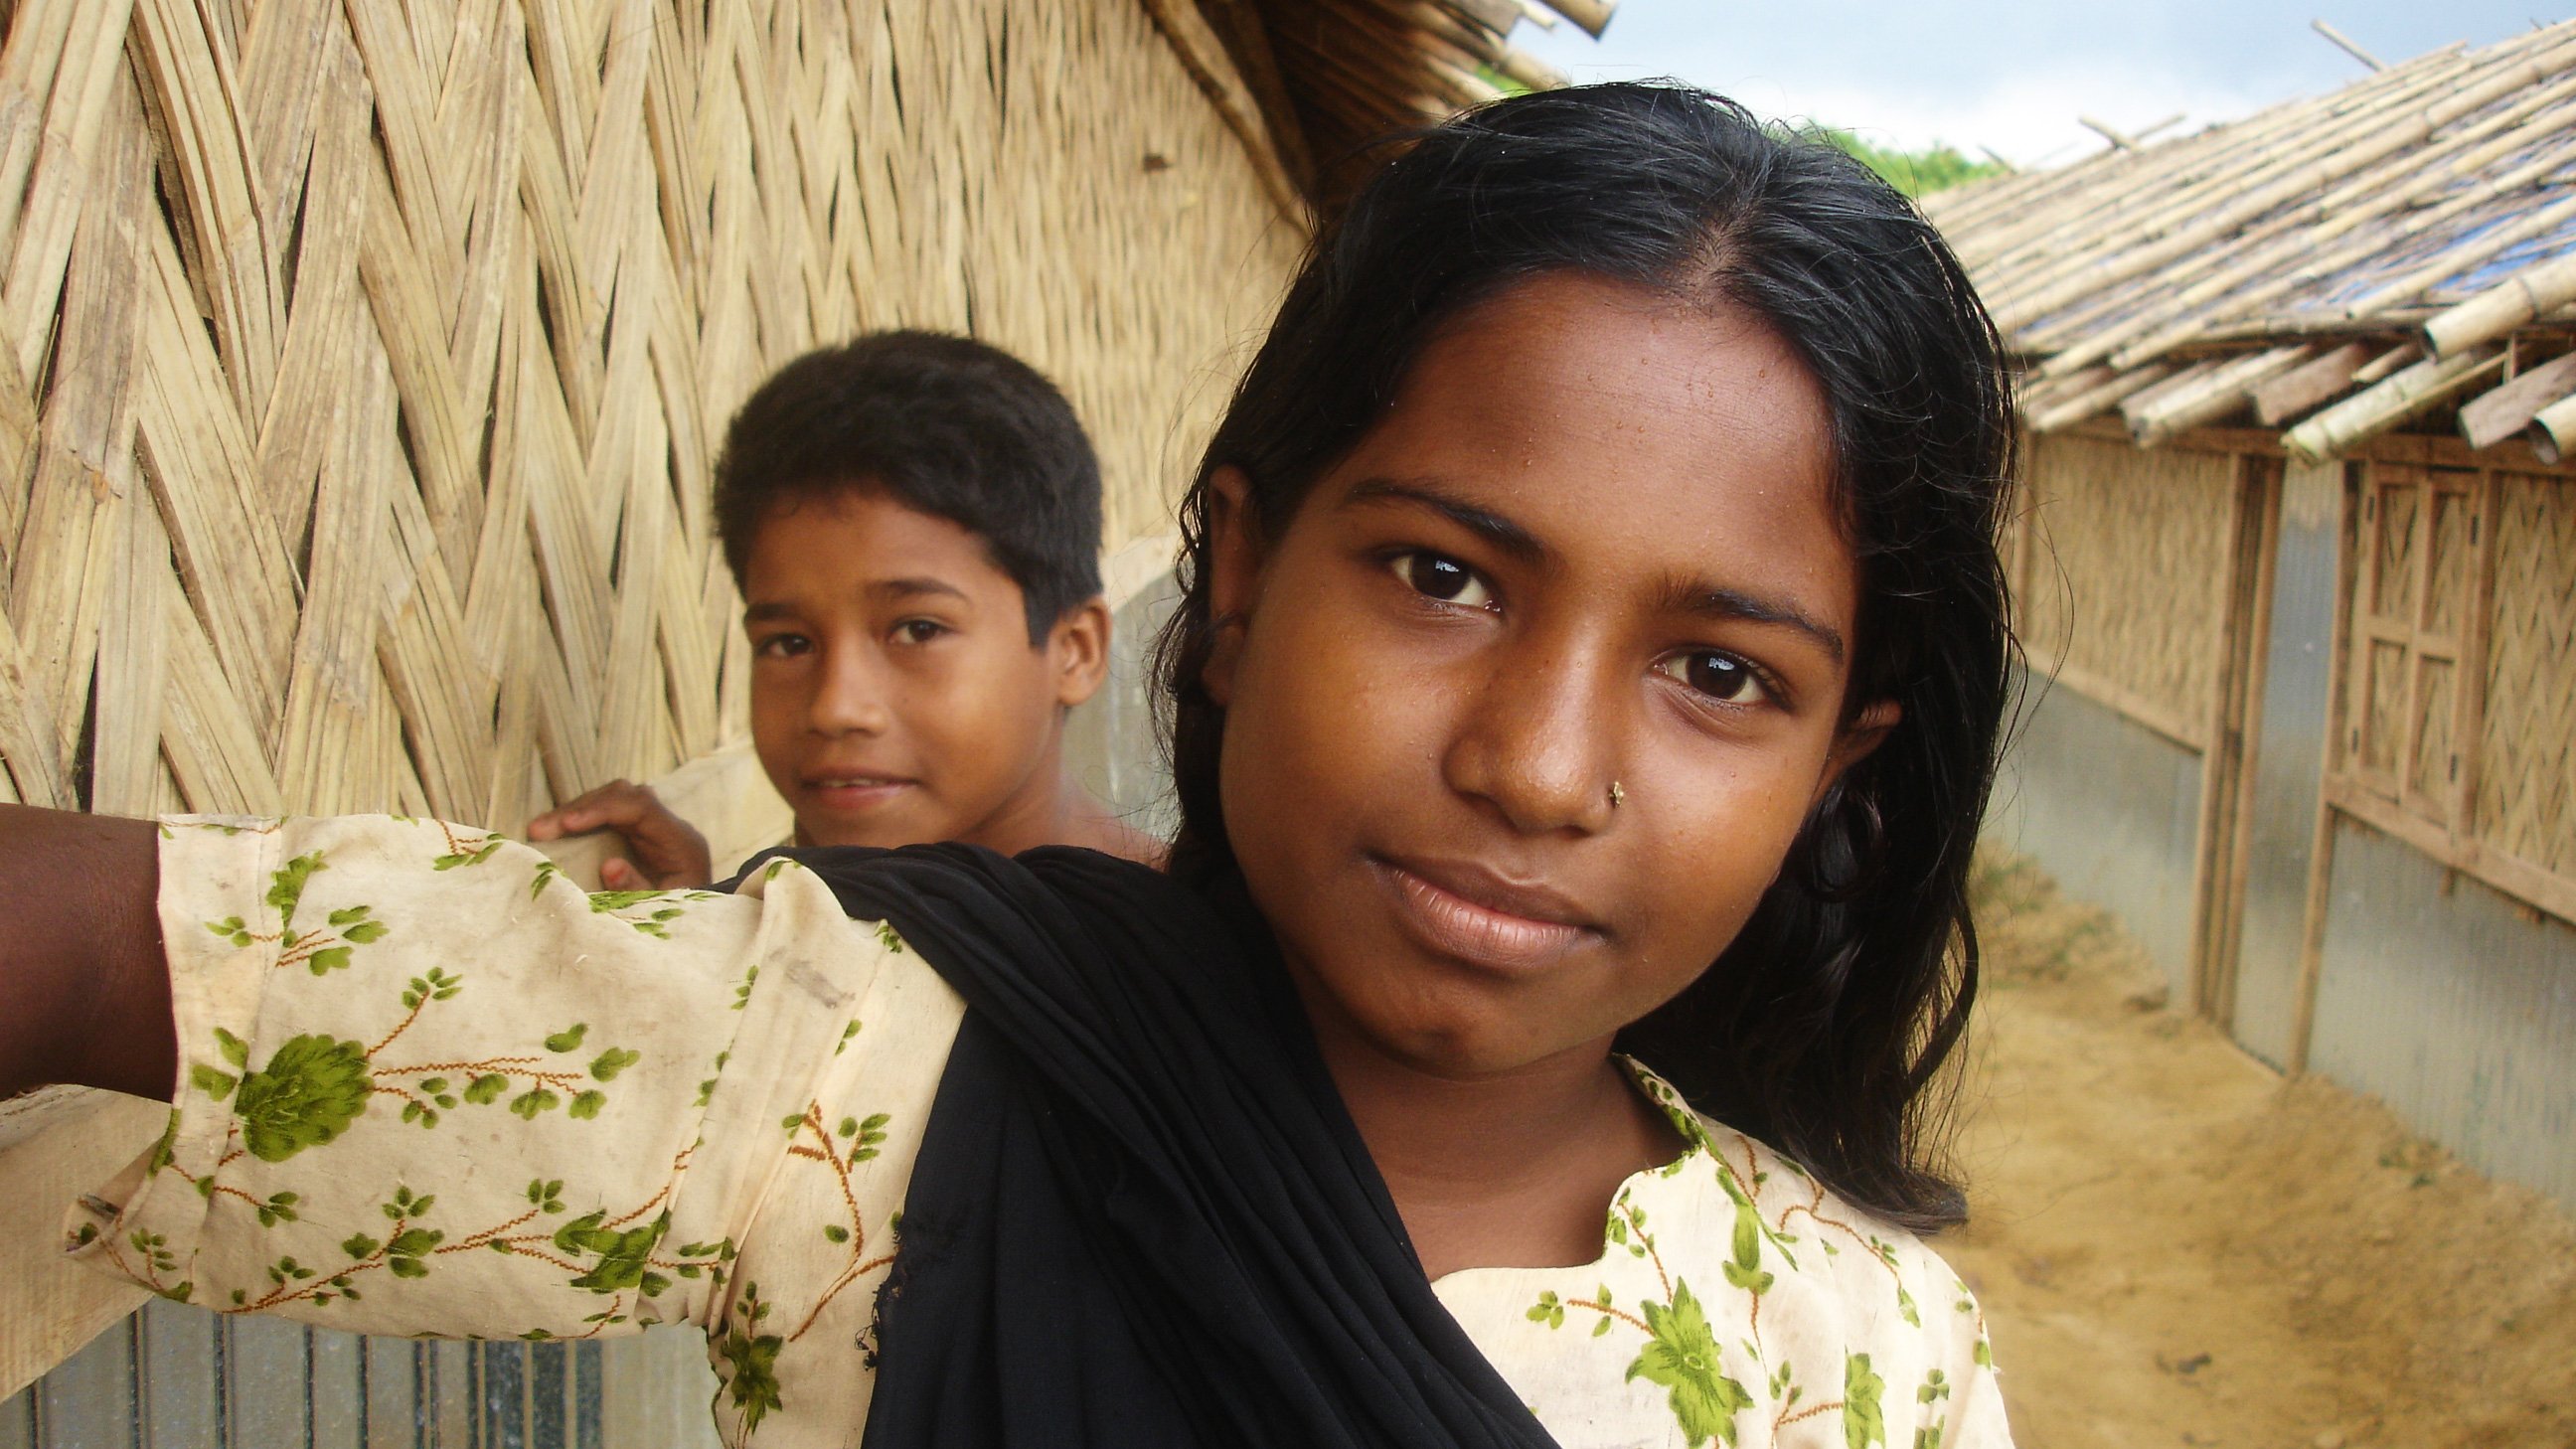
1333	77
2334	266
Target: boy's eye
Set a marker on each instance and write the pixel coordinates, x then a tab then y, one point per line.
781	646
1439	577
919	631
1722	677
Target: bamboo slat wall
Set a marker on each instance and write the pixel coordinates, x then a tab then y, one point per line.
2459	672
364	358
2122	573
2526	797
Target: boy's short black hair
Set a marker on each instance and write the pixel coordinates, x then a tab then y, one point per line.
945	425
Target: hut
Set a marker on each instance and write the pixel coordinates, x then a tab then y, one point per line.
360	366
2298	571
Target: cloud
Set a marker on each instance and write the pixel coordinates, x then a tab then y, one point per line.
2011	75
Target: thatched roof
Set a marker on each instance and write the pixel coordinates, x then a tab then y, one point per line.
2335	266
1330	77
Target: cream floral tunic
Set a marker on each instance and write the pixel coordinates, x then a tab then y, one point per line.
429	1086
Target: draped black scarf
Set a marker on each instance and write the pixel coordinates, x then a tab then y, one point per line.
1141	1214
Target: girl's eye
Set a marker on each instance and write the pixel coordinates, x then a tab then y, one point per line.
782	646
1439	577
919	631
1722	677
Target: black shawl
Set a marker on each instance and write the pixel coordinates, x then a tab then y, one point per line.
1141	1213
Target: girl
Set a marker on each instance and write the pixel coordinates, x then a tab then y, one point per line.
1593	580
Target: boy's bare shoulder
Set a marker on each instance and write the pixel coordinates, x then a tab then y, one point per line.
1110	835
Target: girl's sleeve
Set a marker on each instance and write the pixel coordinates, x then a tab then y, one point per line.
429	1086
1973	1415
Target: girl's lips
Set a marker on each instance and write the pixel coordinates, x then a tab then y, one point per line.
1480	935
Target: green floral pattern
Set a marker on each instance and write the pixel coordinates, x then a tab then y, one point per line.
1729	1288
490	1104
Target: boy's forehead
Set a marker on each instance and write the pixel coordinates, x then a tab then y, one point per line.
862	539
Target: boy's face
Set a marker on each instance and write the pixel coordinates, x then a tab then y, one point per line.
895	697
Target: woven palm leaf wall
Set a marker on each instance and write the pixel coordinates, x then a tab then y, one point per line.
2121	575
2527	779
361	361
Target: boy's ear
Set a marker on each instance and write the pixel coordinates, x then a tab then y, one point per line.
1234	576
1078	651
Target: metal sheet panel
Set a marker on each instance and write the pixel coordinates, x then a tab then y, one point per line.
183	1369
266	1390
1109	742
2111	810
2455	1005
2288	762
87	1402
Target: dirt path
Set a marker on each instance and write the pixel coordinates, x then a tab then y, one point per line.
2174	1246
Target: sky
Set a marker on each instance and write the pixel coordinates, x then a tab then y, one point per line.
2013	75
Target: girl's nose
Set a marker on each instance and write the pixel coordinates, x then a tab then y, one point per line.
849	694
1538	740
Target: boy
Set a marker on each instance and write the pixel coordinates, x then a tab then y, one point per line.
913	521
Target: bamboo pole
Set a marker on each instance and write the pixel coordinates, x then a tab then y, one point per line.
2507	410
2308	386
2388	403
1529	70
2500	309
2221	392
2291	249
2119	139
2454	261
2552	431
2346	44
1203	55
2246	172
1592	16
2386	364
2085	404
2349	156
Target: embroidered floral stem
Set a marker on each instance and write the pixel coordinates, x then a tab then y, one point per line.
1606	1310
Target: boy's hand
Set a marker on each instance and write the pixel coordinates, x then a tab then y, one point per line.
669	852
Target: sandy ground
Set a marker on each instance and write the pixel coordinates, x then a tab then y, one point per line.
2175	1246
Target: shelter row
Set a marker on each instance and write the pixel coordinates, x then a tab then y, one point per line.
2298	563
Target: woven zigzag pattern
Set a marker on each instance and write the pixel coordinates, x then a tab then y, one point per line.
2124	578
361	361
2527	776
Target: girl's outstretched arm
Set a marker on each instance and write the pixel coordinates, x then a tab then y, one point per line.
84	991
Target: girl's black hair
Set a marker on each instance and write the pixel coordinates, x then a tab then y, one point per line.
1823	1026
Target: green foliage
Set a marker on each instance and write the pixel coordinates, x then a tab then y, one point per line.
1916	173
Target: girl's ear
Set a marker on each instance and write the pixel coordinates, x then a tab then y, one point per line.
1867	731
1234	577
1078	651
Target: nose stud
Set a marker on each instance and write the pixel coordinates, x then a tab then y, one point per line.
1616	794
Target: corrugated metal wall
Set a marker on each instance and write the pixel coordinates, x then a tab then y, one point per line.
174	1377
2455	1005
2110	808
2288	762
2449	1000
